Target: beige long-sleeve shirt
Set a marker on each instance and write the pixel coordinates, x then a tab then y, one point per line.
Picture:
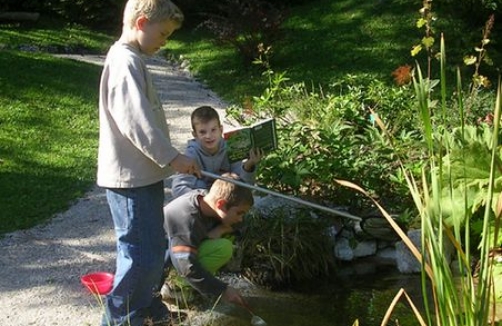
134	143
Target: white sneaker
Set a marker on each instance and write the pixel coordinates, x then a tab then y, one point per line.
169	294
184	294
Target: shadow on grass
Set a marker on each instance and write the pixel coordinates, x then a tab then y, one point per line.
48	133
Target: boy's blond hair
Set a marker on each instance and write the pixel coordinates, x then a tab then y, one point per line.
204	114
234	195
155	11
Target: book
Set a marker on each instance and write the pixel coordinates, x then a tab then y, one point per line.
262	134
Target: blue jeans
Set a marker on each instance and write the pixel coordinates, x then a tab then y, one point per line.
138	219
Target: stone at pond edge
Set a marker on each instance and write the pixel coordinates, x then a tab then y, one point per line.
344	250
407	263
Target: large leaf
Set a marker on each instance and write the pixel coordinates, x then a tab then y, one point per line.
466	173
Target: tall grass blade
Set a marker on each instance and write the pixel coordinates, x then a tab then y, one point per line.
396	299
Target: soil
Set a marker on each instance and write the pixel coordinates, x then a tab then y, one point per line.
40	268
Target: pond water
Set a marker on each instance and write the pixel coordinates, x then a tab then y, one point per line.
336	302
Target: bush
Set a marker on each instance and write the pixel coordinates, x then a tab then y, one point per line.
249	26
329	134
281	250
475	11
100	15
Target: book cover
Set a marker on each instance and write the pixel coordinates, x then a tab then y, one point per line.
262	134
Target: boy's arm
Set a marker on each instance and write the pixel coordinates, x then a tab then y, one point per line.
238	168
138	118
183	183
246	169
255	155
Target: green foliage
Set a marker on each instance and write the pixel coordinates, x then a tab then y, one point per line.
474	10
48	132
69	38
249	26
466	175
461	173
101	15
329	134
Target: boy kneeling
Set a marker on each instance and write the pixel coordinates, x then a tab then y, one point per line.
195	223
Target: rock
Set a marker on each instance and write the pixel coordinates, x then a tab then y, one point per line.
365	248
387	253
407	262
343	250
347	251
272	205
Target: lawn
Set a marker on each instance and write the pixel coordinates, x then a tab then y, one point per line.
48	120
48	133
325	41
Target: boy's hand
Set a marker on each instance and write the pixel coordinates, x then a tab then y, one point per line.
233	295
185	164
255	156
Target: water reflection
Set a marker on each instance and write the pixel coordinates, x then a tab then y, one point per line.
341	301
363	294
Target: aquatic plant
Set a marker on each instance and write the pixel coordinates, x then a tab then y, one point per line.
459	296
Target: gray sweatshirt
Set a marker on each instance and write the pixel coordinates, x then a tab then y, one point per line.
214	163
134	144
185	225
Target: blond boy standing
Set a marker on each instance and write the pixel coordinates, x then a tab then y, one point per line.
135	156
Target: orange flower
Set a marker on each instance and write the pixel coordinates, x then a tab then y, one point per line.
402	75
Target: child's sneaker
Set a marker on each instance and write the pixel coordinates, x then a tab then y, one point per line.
177	295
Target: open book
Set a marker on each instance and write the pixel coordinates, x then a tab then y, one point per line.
262	134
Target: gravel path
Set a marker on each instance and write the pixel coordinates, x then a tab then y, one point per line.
40	268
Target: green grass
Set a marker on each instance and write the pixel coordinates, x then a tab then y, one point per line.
48	120
48	135
53	37
324	41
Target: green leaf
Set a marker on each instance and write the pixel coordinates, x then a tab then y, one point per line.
421	22
469	60
466	173
415	50
428	41
488	60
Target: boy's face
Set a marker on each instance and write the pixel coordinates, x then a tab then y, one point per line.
152	36
234	214
208	135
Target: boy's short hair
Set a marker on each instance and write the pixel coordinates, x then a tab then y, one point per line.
154	10
204	114
234	195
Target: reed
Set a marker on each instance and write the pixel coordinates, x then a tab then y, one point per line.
459	296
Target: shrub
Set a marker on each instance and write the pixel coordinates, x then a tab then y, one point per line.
101	15
281	250
249	26
329	134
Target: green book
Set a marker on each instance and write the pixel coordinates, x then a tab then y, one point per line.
240	140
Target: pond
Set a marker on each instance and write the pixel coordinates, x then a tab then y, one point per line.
336	302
